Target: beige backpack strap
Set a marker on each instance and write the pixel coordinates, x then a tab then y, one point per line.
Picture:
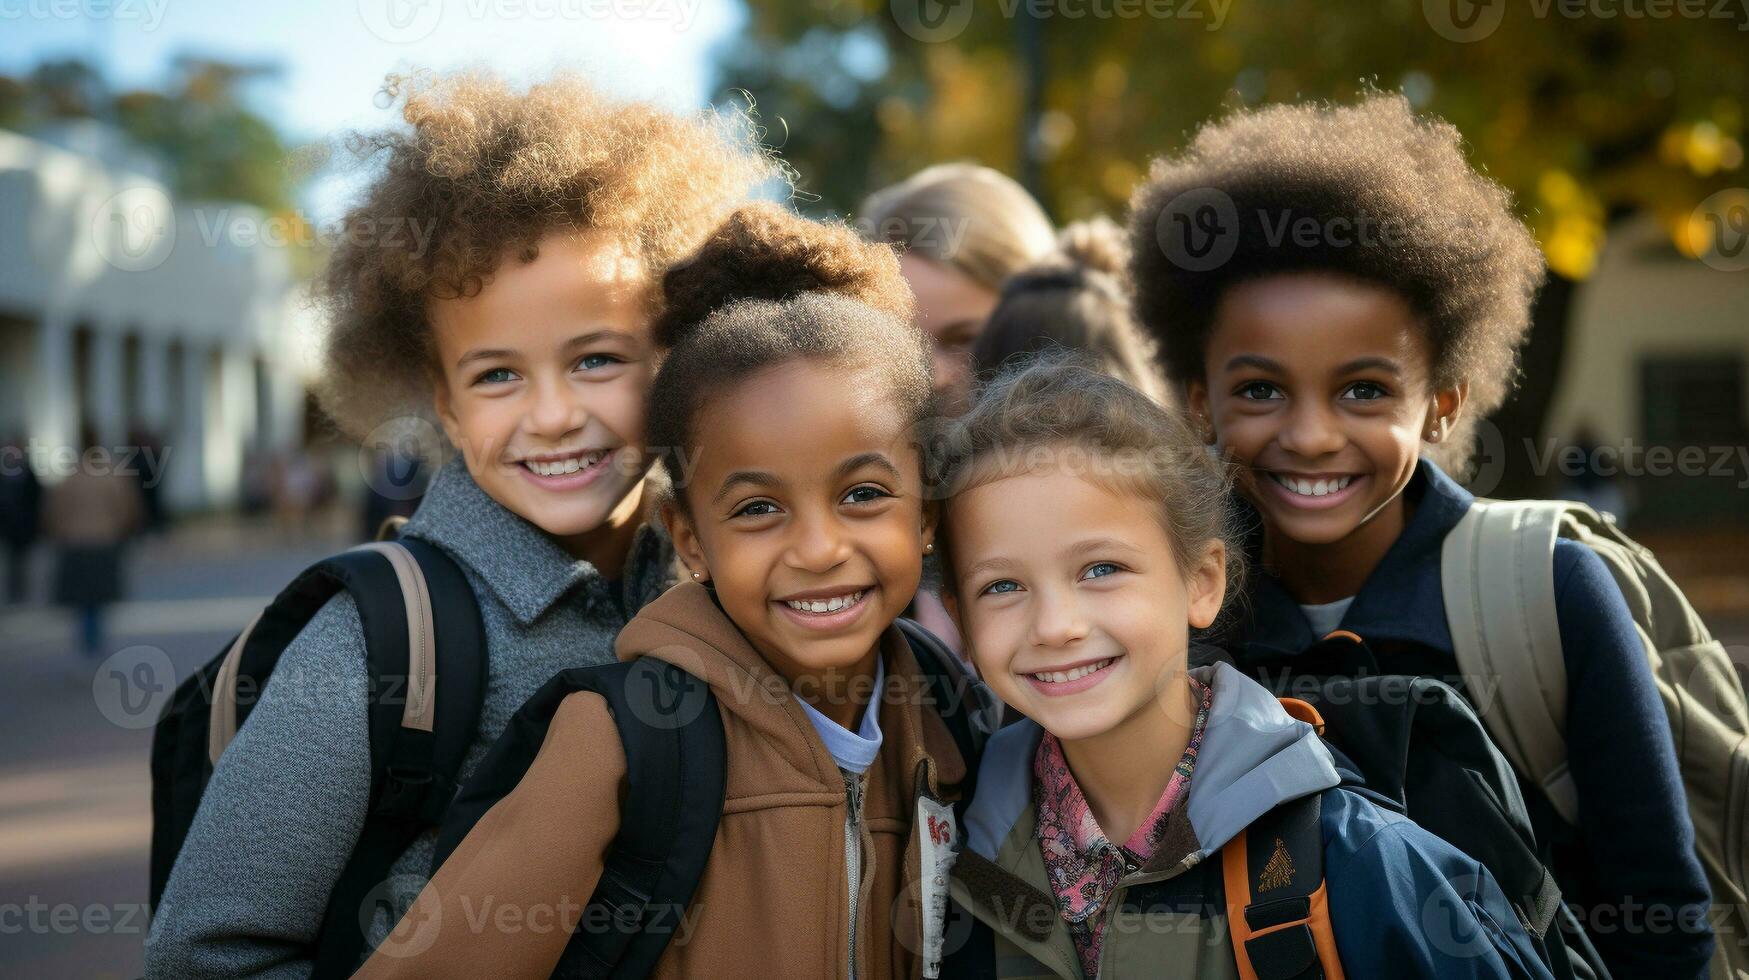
222	726
419	711
1497	569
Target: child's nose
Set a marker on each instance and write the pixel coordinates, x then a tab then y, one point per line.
1311	430
556	411
817	544
1058	619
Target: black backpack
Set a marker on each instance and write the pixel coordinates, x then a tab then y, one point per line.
1414	745
421	622
676	774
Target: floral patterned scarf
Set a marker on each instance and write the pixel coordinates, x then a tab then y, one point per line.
1084	867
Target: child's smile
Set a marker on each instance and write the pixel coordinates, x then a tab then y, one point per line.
805	512
1320	387
545	372
1079	620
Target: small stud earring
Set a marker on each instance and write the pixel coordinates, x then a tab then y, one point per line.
697	575
929	549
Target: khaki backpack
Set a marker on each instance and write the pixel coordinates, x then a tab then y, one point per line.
1497	568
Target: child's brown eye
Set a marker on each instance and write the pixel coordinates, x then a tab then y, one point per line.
865	494
1365	391
1257	390
758	508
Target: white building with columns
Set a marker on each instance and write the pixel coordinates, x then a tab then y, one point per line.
128	311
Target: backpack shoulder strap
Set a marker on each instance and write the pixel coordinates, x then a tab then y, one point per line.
1497	572
1278	910
970	712
419	734
676	776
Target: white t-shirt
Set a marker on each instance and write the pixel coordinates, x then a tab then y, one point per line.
1326	617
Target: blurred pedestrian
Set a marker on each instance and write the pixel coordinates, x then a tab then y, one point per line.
1074	301
154	456
90	516
20	513
964	229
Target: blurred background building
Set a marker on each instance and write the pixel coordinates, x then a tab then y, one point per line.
167	327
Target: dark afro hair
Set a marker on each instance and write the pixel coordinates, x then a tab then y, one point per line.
1397	204
770	287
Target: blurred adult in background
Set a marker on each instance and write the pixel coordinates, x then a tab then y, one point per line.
964	229
20	508
151	448
90	516
1075	300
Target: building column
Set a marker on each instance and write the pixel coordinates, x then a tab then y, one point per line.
52	406
104	393
152	410
185	487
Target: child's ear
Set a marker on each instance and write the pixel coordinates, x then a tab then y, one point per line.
685	541
1448	405
1207	585
1196	400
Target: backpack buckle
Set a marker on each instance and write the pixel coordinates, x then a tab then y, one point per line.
410	794
625	903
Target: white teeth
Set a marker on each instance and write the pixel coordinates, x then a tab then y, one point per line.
1076	673
1312	488
825	605
560	467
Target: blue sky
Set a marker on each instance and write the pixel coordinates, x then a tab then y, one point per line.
334	53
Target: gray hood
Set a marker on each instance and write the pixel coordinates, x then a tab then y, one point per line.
1254	757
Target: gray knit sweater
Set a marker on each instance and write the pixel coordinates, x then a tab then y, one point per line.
287	800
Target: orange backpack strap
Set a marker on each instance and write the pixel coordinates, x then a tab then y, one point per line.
1277	910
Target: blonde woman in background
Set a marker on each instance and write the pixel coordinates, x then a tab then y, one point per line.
964	229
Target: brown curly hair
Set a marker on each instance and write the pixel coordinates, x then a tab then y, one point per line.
1442	235
763	251
770	287
485	168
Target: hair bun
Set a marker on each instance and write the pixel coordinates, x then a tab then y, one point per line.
766	252
1097	244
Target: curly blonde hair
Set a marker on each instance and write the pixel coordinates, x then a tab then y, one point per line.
486	169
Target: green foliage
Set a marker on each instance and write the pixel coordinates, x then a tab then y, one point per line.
1583	117
215	147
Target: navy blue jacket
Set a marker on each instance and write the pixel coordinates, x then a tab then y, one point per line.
1634	848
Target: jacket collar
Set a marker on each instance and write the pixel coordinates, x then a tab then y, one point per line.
1401	601
686	627
1254	757
523	567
